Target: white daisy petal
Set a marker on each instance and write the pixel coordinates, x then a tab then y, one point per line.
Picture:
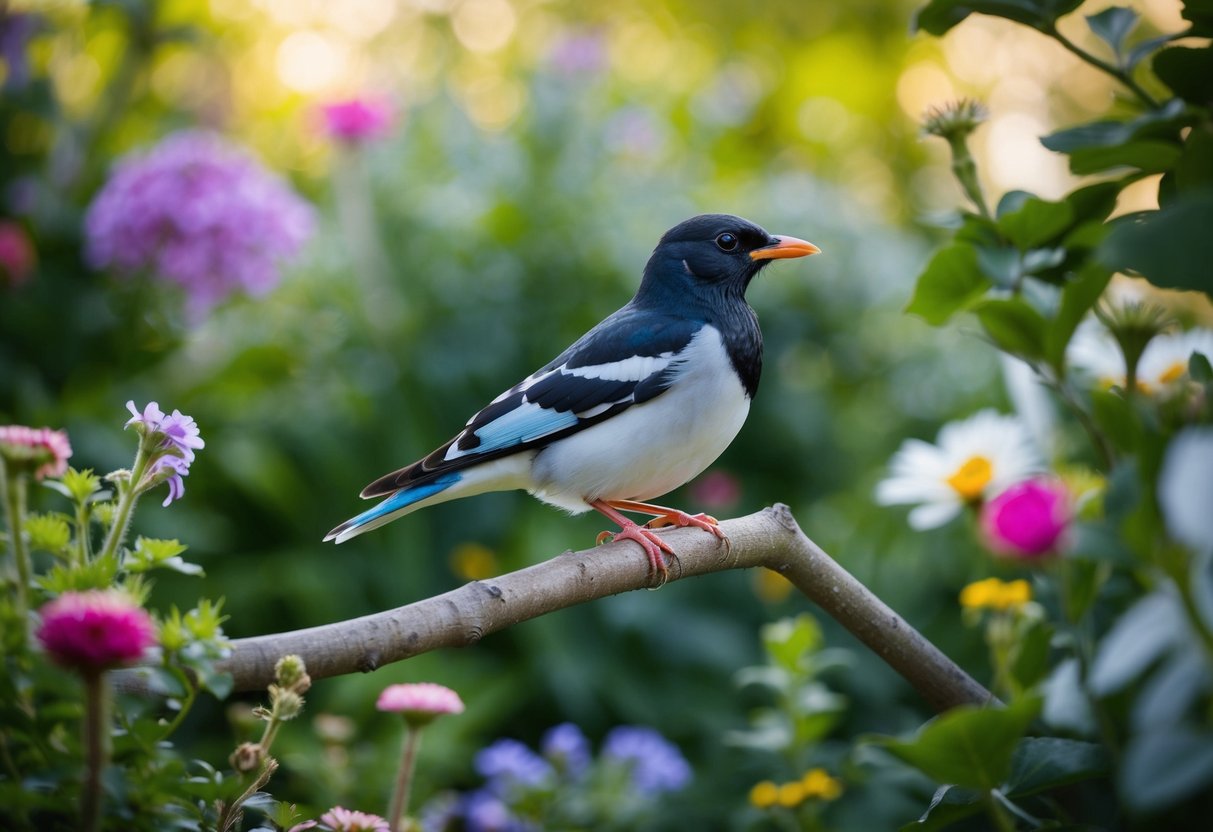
932	515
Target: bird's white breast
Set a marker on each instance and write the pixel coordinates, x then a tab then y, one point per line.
654	447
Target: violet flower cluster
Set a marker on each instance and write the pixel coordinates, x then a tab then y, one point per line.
179	439
200	212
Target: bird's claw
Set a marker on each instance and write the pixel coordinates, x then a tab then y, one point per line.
682	520
653	546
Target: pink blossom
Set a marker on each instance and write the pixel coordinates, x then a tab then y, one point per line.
17	255
1028	519
356	120
42	449
716	489
95	630
420	702
338	819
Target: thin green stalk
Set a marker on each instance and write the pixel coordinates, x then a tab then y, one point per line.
404	778
1102	65
13	484
191	694
96	748
83	547
128	494
1003	822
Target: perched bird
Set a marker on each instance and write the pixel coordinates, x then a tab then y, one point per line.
639	405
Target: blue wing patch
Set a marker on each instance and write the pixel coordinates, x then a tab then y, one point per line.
526	422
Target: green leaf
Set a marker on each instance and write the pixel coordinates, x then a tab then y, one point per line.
1014	326
1036	222
949	283
788	640
1116	419
969	746
1171	247
1165	766
48	532
1194	171
1200	14
1139	638
1113	25
1164	123
150	553
1077	298
938	16
1199	368
1146	155
948	805
1042	763
1188	71
1031	655
1094	202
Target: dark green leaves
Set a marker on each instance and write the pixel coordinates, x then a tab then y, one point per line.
1112	26
939	16
1171	247
1035	222
1188	71
1151	142
950	282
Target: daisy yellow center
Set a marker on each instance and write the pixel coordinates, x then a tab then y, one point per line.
1174	372
972	477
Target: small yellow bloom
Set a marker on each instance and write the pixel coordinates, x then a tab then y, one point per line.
473	562
770	586
764	794
792	794
993	594
818	783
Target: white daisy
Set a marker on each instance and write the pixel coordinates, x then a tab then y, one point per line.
1094	352
972	460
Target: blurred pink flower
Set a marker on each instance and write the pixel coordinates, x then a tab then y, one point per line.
420	702
716	489
95	630
42	449
358	119
17	256
347	820
1028	519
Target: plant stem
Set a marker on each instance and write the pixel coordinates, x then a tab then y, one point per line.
1115	71
1002	821
404	779
127	496
191	693
96	748
13	484
83	546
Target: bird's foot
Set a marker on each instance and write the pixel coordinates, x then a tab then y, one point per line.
673	517
653	546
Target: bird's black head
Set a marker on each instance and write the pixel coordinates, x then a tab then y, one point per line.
713	256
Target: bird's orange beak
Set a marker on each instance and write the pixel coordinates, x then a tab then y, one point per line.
784	247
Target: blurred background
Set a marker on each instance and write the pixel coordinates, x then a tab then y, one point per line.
515	163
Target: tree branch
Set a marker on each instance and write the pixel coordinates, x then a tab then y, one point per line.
770	538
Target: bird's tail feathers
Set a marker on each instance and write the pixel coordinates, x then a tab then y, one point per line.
400	503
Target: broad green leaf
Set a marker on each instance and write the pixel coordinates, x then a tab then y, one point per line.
1002	264
1077	298
1067	706
1163	124
939	16
1146	155
948	805
1188	71
1139	638
788	640
1200	14
1031	656
1116	419
1163	767
950	282
1094	202
1042	763
1194	170
1169	693
1171	247
1014	326
1035	222
1199	368
969	746
1112	26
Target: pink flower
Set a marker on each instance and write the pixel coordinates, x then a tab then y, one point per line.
420	702
1028	519
338	819
95	630
17	255
357	120
43	450
716	489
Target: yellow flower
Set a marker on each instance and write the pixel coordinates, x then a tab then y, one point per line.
770	586
993	594
792	794
764	794
473	562
818	783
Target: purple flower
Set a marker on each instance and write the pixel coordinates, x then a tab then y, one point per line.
508	763
96	630
567	748
1029	519
657	764
581	52
357	120
478	811
179	439
200	212
16	31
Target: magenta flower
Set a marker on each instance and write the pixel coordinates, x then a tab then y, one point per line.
716	489
200	212
420	702
95	630
179	439
17	256
357	120
42	450
1028	519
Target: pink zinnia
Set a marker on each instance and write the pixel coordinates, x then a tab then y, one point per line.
420	702
43	449
95	630
1028	519
356	120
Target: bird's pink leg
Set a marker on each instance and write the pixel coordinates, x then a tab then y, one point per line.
653	545
671	517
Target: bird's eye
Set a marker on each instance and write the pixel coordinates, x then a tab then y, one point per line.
727	241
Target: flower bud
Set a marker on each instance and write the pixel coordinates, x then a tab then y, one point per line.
247	757
285	703
290	672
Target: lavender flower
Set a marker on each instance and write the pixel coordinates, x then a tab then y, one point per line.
509	763
478	811
200	212
657	764
567	748
179	437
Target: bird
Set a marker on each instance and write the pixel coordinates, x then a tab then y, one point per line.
639	405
